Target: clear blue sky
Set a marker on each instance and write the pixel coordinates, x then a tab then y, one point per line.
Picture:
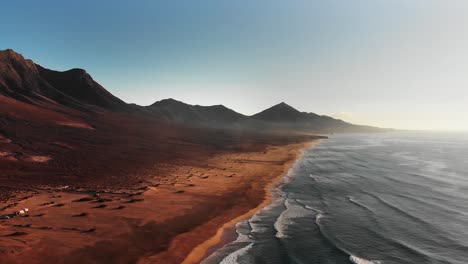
393	63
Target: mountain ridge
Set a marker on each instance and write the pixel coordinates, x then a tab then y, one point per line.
28	82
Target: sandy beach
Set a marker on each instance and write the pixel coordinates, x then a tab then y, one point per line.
226	233
175	215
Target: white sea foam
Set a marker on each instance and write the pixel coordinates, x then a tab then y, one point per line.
318	217
281	224
293	210
283	220
243	234
357	260
311	208
308	207
232	258
258	219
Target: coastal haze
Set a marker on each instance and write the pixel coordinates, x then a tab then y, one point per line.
234	132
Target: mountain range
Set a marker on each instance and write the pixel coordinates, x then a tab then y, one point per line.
74	91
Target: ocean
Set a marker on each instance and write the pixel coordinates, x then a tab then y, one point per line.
364	198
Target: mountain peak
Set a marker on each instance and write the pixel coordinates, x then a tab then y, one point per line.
77	71
279	112
17	74
168	101
10	52
10	56
284	105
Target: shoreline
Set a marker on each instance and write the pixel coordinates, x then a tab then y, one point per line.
205	249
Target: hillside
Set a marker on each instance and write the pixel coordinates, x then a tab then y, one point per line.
25	81
173	110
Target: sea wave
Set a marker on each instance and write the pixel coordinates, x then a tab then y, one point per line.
293	210
281	223
354	201
399	210
308	207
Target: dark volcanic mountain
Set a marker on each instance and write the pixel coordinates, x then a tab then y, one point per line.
281	117
28	82
78	84
279	113
284	117
173	110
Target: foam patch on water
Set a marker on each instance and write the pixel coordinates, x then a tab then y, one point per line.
357	260
313	177
243	230
233	257
286	218
257	220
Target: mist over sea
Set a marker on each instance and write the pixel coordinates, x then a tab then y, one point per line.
375	198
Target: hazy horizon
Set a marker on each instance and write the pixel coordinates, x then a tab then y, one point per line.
397	64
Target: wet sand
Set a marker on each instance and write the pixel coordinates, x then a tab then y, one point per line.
174	215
